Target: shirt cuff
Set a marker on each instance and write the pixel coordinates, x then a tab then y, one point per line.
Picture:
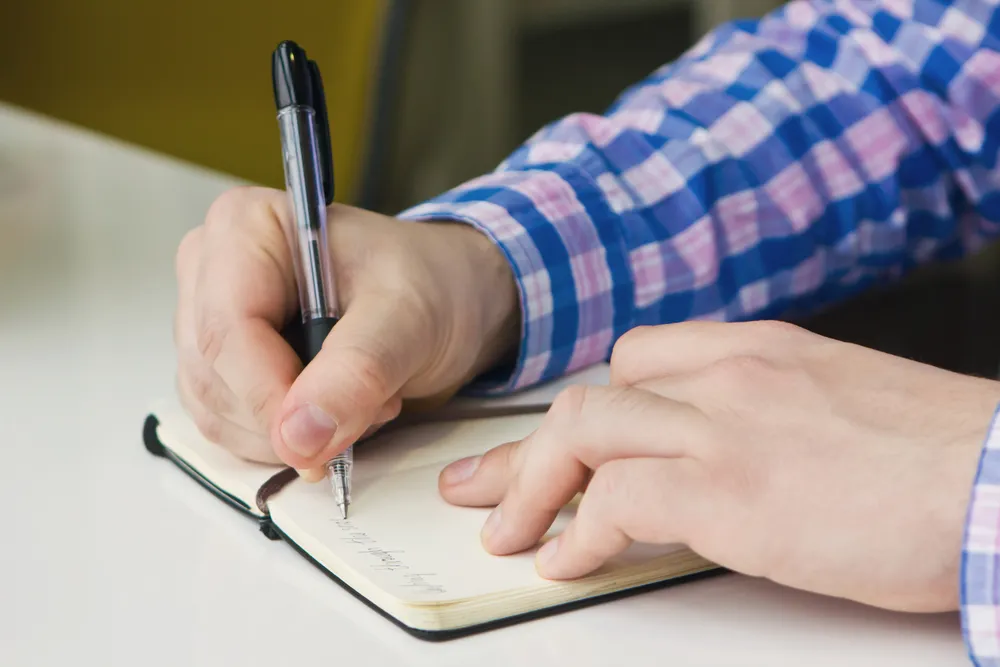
573	277
980	593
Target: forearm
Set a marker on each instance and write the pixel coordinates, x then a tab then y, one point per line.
779	165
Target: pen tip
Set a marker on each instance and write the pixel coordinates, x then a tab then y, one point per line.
343	510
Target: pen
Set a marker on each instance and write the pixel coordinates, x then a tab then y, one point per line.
308	165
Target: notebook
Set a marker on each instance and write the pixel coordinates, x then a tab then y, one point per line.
403	550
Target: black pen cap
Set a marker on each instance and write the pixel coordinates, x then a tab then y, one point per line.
290	76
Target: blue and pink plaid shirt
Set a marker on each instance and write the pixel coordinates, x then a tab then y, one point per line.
779	165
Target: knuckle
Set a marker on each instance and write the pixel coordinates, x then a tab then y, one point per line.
604	483
209	337
510	465
238	205
628	340
510	455
625	400
201	387
609	484
569	403
259	402
627	353
744	380
774	331
188	251
742	369
228	207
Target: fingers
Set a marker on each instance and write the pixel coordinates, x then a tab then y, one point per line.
389	412
586	427
407	328
648	500
368	356
480	481
237	292
198	380
234	292
258	366
650	352
251	445
243	294
246	270
234	389
187	263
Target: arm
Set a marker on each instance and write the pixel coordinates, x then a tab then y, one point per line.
980	593
780	165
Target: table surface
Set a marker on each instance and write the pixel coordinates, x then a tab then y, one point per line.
112	557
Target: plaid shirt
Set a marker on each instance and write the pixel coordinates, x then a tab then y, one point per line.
781	164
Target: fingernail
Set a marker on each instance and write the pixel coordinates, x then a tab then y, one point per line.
547	551
308	430
492	523
312	475
461	470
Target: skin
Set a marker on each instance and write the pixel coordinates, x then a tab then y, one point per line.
414	326
767	449
763	447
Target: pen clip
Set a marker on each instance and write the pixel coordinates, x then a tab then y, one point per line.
323	131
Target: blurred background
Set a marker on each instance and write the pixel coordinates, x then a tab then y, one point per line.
422	95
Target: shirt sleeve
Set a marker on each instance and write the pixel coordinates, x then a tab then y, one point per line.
980	592
779	165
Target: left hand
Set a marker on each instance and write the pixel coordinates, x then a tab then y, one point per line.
766	449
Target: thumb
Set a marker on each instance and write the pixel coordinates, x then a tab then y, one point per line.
368	356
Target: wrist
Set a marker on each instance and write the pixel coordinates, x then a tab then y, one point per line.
492	294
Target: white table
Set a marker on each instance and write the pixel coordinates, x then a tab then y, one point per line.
109	556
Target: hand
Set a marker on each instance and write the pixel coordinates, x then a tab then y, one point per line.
766	449
425	308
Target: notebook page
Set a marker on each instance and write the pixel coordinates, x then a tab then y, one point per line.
376	457
436	443
404	541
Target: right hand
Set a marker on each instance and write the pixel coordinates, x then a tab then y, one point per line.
425	307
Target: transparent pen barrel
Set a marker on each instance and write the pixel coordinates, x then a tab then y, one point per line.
339	469
303	182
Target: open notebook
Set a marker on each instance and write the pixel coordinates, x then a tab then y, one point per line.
404	550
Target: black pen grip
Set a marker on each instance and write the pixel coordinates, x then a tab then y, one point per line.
314	332
306	338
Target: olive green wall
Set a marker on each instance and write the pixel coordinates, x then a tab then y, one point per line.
191	79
